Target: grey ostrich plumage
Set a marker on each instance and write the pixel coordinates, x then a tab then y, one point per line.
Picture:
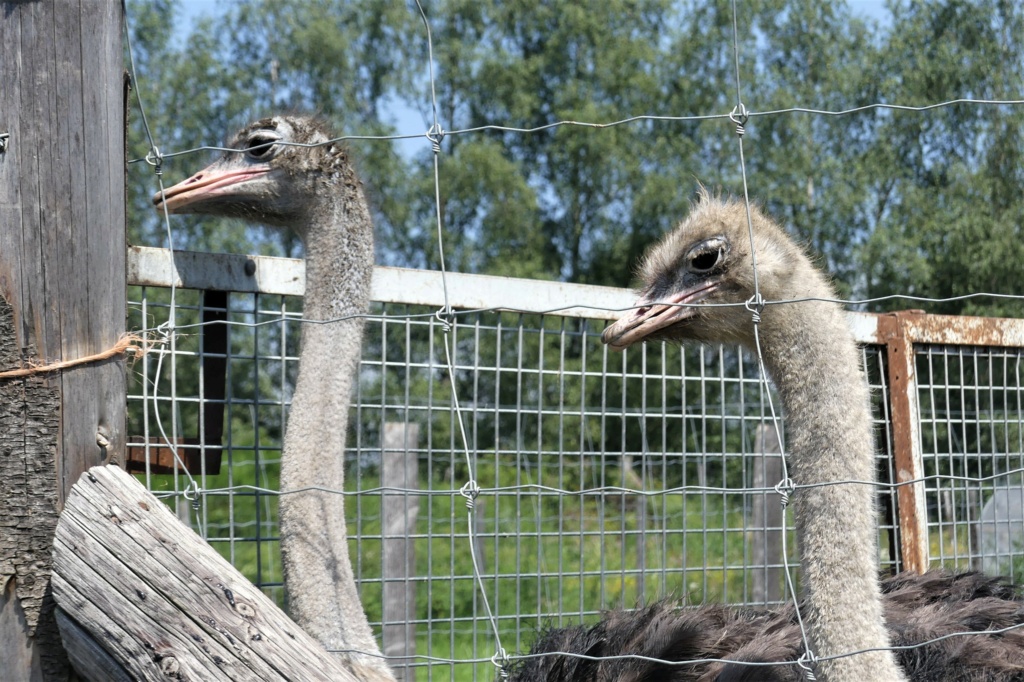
314	191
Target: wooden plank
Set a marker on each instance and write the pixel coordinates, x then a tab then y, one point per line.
148	266
286	276
156	598
30	301
87	654
19	650
97	391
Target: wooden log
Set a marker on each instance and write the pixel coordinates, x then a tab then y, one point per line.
140	588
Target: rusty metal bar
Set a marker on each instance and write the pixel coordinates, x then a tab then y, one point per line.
162	460
962	330
951	330
906	435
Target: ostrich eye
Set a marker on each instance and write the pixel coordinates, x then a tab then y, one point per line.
260	146
706	260
708	255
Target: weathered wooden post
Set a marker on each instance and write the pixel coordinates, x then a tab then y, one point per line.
399	511
62	281
768	526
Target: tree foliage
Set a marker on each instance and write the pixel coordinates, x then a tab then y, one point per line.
895	202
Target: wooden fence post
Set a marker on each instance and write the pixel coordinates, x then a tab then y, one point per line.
399	469
768	532
62	277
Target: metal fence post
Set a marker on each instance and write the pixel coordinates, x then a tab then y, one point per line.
906	435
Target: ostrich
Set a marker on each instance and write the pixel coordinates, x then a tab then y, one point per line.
811	355
314	191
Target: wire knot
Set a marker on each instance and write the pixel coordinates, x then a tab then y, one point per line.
192	493
470	491
785	488
808	662
755	304
739	116
156	159
166	331
446	318
501	661
435	135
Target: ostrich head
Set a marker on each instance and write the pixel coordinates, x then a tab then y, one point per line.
266	181
707	261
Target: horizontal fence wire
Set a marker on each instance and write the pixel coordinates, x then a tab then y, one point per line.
429	135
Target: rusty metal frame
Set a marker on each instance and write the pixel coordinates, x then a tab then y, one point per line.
900	333
908	462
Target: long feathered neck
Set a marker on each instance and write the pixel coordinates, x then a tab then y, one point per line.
318	574
816	366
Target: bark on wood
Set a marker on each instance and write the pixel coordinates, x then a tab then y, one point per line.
29	431
158	600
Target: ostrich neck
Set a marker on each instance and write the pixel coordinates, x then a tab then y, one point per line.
816	366
318	574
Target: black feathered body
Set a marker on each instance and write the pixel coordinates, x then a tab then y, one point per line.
918	609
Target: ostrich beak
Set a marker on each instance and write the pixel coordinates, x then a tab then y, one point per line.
208	183
650	315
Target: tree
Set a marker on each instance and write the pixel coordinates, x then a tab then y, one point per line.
951	221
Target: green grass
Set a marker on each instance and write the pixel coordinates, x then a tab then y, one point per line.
541	555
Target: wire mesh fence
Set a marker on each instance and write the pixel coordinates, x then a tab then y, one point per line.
605	479
971	433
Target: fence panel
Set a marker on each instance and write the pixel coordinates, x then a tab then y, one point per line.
606	479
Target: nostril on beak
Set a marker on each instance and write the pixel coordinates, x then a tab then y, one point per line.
642	311
195	178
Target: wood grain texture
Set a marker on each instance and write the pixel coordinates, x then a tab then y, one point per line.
160	601
62	270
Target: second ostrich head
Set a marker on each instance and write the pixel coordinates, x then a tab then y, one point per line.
694	281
